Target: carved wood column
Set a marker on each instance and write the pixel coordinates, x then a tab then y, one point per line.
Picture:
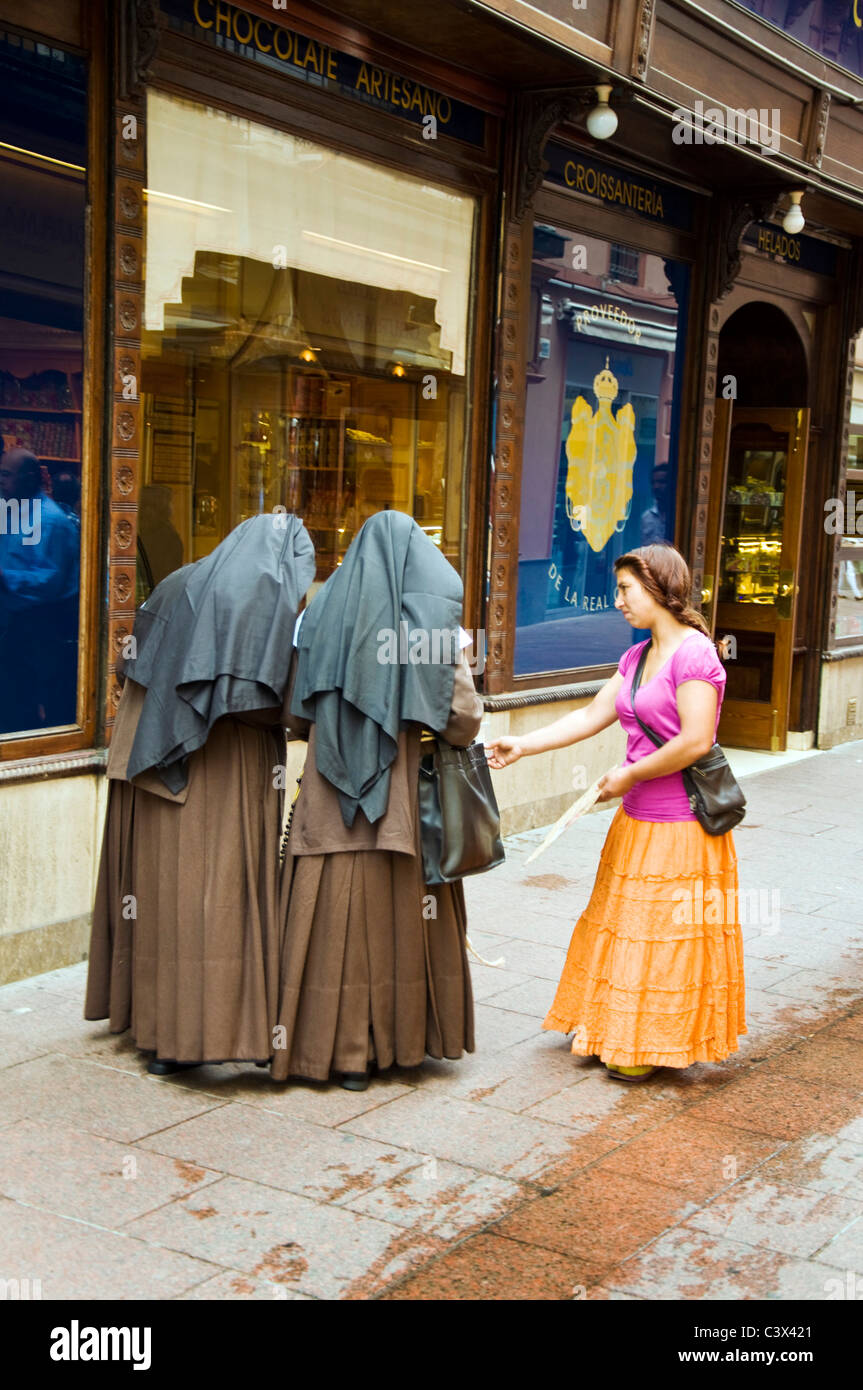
644	23
531	120
136	39
509	441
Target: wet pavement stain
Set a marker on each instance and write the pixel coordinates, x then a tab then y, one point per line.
189	1172
283	1264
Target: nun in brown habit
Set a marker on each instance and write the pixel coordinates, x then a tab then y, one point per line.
374	962
186	933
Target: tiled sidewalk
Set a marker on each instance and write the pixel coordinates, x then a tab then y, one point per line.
520	1172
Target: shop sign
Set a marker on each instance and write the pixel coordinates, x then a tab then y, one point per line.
275	46
620	188
804	252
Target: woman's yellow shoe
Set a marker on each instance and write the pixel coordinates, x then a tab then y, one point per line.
630	1073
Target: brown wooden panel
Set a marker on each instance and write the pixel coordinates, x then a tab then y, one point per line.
596	21
843	145
129	166
62	21
751	722
725	73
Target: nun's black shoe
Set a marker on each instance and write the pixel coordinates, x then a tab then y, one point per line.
156	1067
355	1080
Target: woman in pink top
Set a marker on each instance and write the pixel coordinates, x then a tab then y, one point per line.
654	973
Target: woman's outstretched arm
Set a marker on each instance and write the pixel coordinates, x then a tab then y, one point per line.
571	728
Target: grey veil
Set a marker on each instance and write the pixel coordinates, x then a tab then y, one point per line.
215	638
393	580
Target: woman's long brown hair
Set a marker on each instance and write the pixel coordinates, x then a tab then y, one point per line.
665	575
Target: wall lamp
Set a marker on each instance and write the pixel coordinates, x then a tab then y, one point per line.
601	120
794	221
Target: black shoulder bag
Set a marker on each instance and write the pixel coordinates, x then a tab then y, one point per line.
713	790
459	816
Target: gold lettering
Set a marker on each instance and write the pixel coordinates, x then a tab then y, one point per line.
444	110
332	66
417	100
395	91
313	57
857	20
659	211
204	23
223	15
362	82
406	95
258	41
289	40
377	79
238	15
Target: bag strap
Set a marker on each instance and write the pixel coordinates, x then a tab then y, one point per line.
636	682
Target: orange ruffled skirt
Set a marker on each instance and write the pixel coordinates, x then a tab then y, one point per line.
654	972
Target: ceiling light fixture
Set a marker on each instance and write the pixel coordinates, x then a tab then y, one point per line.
602	121
794	221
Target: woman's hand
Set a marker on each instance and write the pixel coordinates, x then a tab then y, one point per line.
501	752
615	783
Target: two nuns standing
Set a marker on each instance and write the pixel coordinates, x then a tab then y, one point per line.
349	961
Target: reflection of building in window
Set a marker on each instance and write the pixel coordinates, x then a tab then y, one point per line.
43	178
306	335
596	481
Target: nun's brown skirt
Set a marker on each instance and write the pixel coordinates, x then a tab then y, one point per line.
365	975
194	973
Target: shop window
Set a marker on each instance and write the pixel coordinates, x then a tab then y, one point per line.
849	598
600	444
43	150
305	343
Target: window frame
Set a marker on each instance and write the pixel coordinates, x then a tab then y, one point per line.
22	749
573	213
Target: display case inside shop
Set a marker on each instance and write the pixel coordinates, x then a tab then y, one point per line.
753	524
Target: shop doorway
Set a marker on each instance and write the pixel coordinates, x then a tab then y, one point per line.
754	524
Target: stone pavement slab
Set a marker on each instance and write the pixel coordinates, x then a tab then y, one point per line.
87	1178
309	1160
75	1260
94	1098
278	1237
520	1172
689	1264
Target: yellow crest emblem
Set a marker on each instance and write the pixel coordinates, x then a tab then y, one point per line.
601	452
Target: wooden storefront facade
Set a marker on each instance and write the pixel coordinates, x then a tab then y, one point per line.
732	343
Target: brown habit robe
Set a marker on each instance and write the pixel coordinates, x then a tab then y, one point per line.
186	935
374	961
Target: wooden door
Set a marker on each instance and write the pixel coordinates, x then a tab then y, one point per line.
757	547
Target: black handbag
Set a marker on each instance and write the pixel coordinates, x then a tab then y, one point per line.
714	792
459	816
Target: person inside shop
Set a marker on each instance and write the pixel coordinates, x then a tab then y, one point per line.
375	969
653	519
66	491
185	942
158	538
40	559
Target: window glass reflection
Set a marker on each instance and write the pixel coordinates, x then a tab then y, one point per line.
42	174
600	447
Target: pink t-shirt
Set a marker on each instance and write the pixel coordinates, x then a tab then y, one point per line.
663	798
